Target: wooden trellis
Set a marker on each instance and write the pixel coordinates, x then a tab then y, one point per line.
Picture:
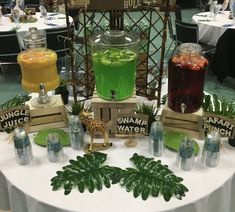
148	21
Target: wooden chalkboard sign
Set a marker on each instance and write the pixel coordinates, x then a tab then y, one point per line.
14	117
131	124
115	5
224	125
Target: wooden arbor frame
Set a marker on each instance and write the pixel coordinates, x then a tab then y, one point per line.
94	16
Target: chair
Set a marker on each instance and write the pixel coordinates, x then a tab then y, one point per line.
189	33
57	41
178	14
9	49
32	4
222	63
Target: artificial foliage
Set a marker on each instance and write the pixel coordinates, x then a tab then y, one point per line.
87	172
14	102
78	107
219	106
147	178
150	110
151	178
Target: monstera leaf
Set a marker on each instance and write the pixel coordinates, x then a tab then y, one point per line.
86	172
150	178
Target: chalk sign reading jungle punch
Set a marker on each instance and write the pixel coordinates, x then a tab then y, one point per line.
224	125
14	117
131	124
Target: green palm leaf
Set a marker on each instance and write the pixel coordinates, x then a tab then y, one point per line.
87	172
150	178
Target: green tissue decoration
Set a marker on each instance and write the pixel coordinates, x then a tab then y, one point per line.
151	178
87	172
148	178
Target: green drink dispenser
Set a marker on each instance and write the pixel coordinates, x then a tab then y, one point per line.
114	58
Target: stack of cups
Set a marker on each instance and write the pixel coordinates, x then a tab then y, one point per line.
211	149
23	149
185	156
156	141
54	148
76	133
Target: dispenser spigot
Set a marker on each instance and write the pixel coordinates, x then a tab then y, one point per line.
43	97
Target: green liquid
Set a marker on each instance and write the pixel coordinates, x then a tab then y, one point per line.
115	72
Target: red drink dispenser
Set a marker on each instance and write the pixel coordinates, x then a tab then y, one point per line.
186	74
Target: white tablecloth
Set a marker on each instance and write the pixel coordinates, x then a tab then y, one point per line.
55	20
210	30
27	188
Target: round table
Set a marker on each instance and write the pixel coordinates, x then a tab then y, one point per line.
27	188
55	20
210	28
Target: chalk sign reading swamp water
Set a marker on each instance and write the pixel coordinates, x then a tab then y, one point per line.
131	124
14	117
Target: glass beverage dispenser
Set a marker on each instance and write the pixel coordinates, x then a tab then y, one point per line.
186	79
114	58
38	68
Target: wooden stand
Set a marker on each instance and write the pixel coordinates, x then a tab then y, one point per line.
53	116
188	123
106	111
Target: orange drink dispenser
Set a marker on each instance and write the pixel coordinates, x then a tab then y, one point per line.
38	65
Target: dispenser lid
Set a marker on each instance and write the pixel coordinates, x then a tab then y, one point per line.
115	38
190	48
34	40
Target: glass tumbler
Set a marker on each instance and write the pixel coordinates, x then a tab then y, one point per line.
211	149
76	133
156	141
54	148
185	156
22	146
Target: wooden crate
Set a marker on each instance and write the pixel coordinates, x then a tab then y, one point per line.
188	123
106	111
54	116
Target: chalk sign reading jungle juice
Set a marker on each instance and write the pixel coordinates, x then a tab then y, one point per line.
13	117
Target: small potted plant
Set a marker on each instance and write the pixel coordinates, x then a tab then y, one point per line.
150	110
63	91
77	108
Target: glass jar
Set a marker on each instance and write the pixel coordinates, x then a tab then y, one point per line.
38	65
23	148
185	156
211	149
114	58
34	40
186	74
76	132
156	140
55	151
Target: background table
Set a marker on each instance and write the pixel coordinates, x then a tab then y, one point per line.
27	188
210	30
55	20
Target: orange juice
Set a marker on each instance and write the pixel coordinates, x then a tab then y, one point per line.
38	65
